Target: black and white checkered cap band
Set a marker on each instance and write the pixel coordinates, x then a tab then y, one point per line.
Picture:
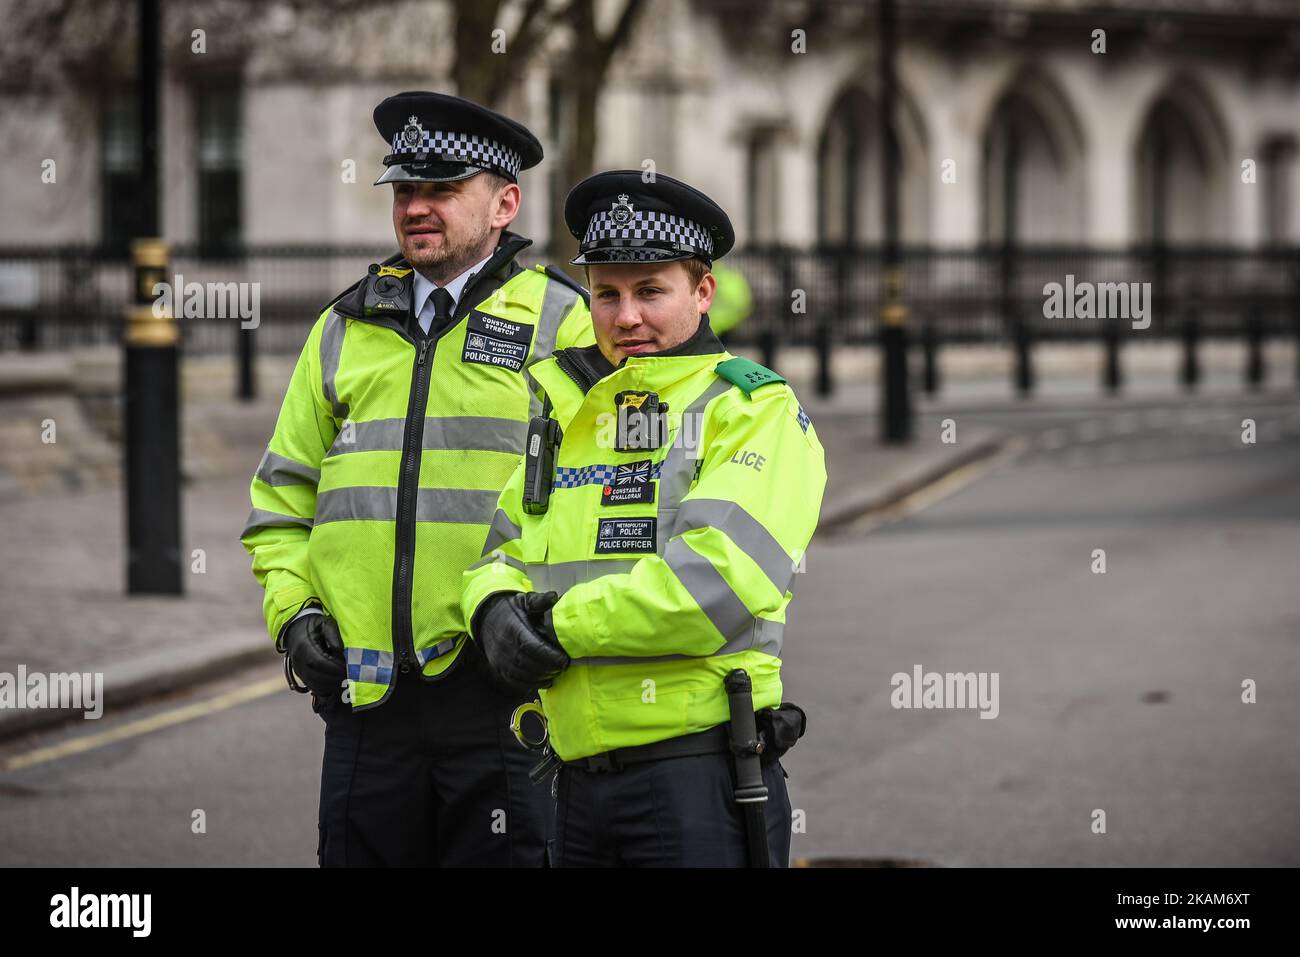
467	148
648	225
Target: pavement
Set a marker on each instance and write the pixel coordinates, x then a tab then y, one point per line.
1122	734
63	598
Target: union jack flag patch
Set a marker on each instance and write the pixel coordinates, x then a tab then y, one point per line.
636	472
630	484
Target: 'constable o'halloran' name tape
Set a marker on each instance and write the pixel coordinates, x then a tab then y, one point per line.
58	689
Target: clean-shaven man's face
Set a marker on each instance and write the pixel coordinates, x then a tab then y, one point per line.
444	228
645	307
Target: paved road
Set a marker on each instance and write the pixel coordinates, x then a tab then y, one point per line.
1119	692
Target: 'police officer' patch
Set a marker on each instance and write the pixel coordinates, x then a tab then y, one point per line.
619	535
496	342
631	484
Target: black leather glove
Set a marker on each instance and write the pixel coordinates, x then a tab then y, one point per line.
513	629
315	652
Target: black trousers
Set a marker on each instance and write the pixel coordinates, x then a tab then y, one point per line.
432	777
675	812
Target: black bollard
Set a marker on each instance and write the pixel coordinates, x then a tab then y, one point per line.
152	432
1254	350
930	349
28	337
822	343
247	347
1191	371
1295	315
1024	360
767	344
1112	378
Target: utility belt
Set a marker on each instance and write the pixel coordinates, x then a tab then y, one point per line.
778	728
753	739
712	741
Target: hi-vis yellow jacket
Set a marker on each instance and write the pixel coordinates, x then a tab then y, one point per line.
380	481
674	565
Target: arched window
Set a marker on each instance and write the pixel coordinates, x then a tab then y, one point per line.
1180	171
841	174
849	171
1033	184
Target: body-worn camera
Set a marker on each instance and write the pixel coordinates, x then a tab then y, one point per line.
642	422
388	291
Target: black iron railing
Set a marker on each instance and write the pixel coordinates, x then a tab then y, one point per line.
62	297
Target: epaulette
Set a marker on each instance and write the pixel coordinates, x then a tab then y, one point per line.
746	373
563	278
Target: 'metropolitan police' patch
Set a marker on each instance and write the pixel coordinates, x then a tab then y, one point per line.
619	535
496	342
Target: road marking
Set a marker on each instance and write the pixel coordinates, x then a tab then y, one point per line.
152	723
939	489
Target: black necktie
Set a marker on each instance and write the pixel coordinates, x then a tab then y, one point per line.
443	306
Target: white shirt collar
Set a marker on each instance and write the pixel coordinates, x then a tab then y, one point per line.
424	288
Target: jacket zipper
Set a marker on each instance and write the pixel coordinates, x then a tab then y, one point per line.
576	374
412	448
407	485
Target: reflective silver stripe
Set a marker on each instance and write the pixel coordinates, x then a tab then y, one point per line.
474	433
261	518
375	435
556	303
331	350
765	636
561	576
278	470
359	503
461	506
679	463
378	503
743	529
500	556
557	300
478	433
709	589
503	530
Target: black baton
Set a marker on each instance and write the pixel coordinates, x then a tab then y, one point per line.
746	746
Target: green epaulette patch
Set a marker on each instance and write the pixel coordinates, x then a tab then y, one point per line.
746	373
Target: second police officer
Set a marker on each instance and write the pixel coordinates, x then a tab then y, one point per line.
640	564
404	417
